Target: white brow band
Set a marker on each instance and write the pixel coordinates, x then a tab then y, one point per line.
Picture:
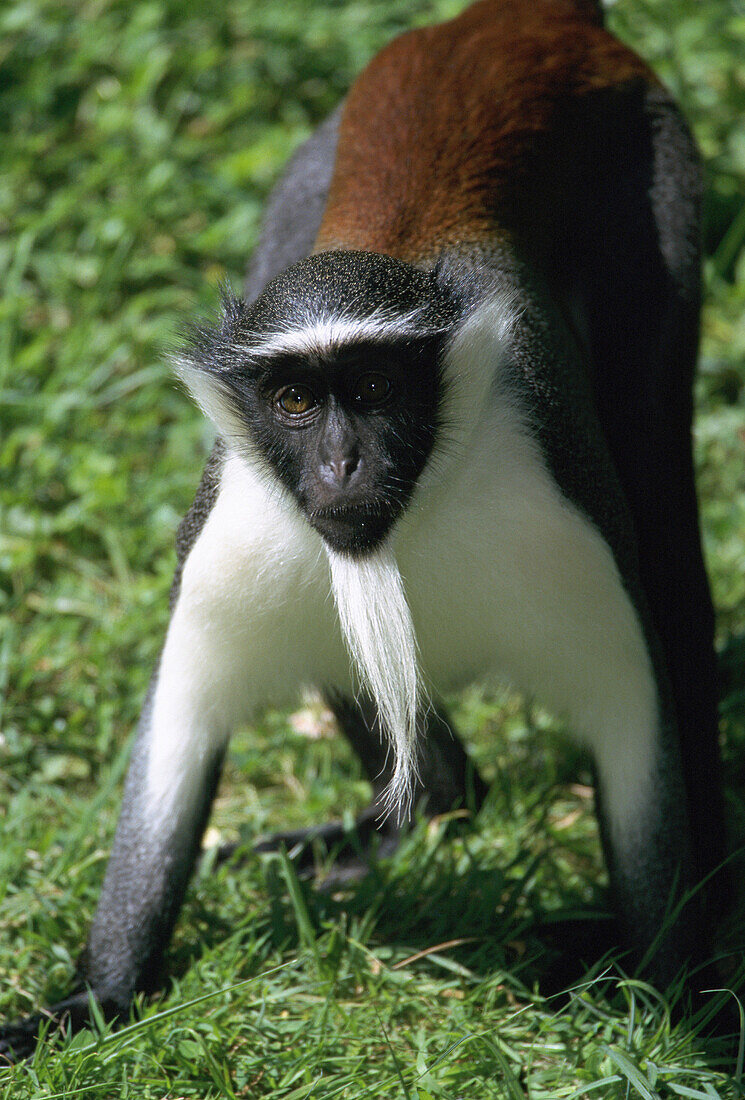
326	334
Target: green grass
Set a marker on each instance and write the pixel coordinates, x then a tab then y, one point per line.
139	141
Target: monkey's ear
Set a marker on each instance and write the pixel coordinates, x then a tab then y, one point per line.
206	361
234	310
214	397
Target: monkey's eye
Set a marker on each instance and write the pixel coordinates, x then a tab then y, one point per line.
372	389
296	400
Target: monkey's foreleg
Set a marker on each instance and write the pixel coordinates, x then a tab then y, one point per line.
645	833
251	594
168	793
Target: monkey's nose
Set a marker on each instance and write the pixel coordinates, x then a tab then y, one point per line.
340	468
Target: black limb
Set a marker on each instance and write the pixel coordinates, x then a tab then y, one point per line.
18	1041
151	862
448	780
645	403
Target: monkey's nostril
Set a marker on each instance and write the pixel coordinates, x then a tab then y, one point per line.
349	465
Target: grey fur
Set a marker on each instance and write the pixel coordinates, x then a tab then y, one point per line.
295	208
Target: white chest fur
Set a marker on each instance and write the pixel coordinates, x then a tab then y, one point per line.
505	579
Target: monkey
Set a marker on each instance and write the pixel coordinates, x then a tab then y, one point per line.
453	412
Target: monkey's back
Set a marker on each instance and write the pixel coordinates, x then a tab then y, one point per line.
486	125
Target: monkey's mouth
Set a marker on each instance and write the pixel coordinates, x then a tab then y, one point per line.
355	528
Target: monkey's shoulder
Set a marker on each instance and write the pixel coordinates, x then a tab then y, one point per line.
194	520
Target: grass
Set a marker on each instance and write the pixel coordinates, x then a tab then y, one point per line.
139	143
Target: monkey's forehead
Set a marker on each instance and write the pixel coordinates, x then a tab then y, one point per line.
350	290
325	303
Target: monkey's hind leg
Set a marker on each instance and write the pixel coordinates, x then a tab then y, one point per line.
447	780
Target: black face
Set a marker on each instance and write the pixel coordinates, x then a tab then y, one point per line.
347	421
348	434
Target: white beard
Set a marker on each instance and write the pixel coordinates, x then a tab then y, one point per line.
379	633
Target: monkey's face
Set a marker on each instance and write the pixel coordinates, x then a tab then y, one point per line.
348	433
331	380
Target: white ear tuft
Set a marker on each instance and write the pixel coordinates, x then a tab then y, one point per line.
213	398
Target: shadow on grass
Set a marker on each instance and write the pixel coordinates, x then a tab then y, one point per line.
427	893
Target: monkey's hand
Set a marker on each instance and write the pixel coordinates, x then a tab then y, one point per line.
18	1041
